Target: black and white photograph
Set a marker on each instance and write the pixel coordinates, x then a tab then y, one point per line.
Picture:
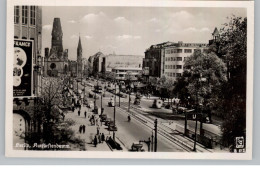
145	80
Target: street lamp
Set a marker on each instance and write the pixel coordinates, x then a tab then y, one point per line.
155	136
200	79
114	115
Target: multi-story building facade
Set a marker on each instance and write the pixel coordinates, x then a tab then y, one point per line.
114	60
168	58
124	73
175	56
101	63
153	60
28	26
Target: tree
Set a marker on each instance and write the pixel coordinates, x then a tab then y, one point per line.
205	73
55	130
181	91
232	48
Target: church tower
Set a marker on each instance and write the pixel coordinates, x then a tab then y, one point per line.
79	58
56	41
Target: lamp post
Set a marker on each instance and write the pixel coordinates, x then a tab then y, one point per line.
119	86
200	79
152	143
155	136
114	115
101	104
95	89
129	99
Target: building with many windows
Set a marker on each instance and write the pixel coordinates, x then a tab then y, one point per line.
175	56
28	26
168	58
124	73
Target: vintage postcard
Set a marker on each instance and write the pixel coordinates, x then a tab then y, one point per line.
139	79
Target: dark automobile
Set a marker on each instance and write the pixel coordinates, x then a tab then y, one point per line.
107	122
112	127
103	117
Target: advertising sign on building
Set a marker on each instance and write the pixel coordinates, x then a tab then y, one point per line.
22	68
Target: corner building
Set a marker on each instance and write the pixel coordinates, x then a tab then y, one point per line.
168	58
175	56
28	26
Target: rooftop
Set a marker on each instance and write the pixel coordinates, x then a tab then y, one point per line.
127	68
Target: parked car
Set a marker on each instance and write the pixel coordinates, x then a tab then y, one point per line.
122	95
103	117
112	128
107	122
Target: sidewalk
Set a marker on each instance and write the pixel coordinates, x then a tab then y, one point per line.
90	132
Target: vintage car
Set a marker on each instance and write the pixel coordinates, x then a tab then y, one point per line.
112	127
103	117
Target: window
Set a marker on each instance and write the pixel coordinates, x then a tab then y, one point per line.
32	15
16	14
171	58
165	66
177	50
173	66
168	51
178	66
24	14
187	51
197	50
178	74
179	58
173	74
170	66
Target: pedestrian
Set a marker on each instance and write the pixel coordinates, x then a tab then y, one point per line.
103	137
83	128
80	129
98	130
96	121
79	106
85	113
73	108
99	138
100	122
95	141
79	112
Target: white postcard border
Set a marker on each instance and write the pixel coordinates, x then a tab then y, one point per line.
143	155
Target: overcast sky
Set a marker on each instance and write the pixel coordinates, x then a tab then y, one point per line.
131	30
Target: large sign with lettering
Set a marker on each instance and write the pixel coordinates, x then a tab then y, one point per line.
22	68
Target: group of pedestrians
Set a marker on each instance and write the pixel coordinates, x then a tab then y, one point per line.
99	138
82	129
